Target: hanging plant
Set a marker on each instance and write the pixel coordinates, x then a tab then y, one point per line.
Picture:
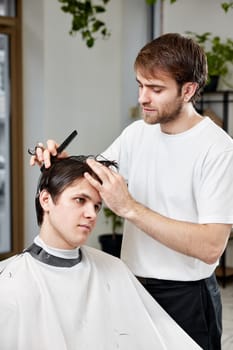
84	19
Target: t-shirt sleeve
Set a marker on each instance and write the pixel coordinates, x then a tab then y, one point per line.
215	200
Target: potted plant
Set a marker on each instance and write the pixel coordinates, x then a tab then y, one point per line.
219	55
111	242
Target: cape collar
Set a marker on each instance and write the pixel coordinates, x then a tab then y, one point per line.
40	254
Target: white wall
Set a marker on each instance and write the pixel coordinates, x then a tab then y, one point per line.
68	86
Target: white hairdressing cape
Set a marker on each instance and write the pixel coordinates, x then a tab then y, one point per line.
95	305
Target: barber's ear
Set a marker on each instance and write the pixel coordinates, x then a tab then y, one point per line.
45	199
189	90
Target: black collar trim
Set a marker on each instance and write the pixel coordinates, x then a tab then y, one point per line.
40	254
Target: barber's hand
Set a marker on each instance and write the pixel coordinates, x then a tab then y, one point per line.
43	154
113	190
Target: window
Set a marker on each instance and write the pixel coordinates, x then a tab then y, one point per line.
11	168
8	8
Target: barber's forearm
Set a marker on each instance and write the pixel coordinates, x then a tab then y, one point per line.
205	242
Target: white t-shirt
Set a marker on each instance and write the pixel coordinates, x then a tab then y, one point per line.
186	176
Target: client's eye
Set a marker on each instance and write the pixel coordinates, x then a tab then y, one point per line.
98	208
80	200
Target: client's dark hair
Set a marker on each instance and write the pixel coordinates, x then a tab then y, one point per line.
62	173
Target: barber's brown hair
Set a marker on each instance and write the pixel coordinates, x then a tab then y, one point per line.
179	56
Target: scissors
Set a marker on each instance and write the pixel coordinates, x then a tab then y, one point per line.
61	148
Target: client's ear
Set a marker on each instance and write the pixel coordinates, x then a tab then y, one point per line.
45	199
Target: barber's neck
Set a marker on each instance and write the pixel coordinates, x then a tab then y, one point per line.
186	120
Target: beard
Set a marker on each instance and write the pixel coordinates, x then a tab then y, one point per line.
168	114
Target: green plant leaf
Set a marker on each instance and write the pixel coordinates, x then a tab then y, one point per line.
99	9
227	5
97	25
90	42
78	23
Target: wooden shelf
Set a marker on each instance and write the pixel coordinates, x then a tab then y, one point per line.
224	277
223	98
221	274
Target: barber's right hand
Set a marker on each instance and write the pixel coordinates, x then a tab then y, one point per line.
42	154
